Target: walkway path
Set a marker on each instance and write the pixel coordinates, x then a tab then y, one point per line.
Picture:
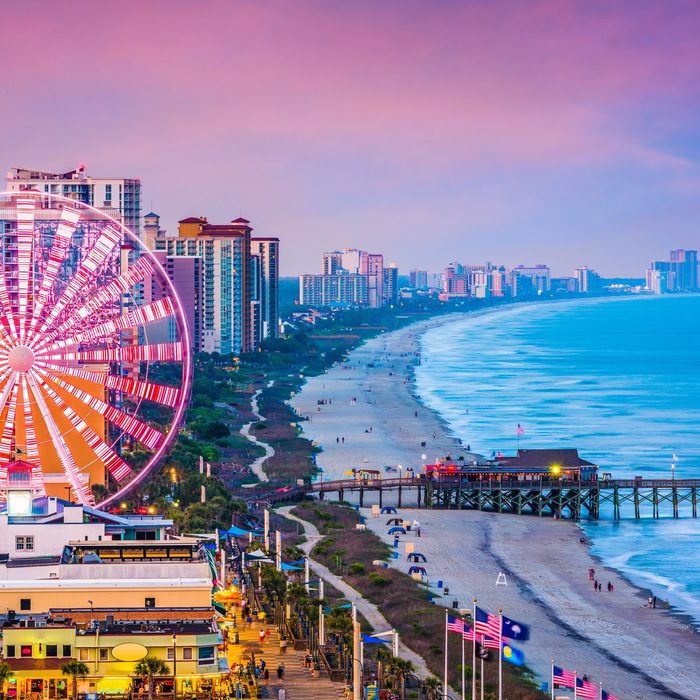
257	466
368	610
298	682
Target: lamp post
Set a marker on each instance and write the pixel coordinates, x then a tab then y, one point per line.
174	667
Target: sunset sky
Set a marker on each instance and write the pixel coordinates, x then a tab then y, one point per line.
512	131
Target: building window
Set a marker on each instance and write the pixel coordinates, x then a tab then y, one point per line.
10	651
67	650
24	543
150	603
25	652
104	654
187	654
51	650
83	655
205	656
25	603
170	656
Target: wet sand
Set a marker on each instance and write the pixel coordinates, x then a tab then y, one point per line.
637	652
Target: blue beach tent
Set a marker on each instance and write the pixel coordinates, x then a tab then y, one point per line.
417	570
394	521
388	509
417	556
400	530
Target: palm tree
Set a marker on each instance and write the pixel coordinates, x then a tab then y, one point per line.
383	658
148	668
75	669
5	674
433	686
399	669
339	622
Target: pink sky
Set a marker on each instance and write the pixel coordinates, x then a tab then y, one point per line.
525	131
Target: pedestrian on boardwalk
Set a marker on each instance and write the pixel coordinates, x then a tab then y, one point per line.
266	675
281	694
280	672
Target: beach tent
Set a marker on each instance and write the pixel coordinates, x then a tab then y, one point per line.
400	530
394	521
417	570
388	509
416	556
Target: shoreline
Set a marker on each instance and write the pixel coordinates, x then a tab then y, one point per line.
380	376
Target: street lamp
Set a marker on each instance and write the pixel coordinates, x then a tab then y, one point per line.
174	667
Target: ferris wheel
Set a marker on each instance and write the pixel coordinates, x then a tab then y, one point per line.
94	351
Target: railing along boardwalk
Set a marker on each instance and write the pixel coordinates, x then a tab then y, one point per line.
560	498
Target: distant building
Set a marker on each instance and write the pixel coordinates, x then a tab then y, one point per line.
530	281
679	274
117	196
350	277
390	285
587	280
418	279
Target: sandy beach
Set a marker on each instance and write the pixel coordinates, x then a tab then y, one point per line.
637	652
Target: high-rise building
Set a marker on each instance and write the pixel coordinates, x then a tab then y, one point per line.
350	277
530	281
418	279
679	274
224	250
587	280
267	251
390	284
348	289
117	196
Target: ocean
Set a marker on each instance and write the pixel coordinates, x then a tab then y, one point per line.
617	378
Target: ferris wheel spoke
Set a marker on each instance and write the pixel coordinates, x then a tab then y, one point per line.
144	433
136	273
116	466
31	446
160	352
61	244
107	239
8	429
143	315
25	245
77	480
159	393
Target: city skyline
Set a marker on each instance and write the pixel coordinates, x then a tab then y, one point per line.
455	129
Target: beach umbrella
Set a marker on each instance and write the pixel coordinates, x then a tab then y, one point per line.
416	556
394	521
400	530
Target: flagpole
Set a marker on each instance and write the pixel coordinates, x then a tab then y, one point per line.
552	679
601	690
474	653
481	678
575	685
444	686
500	655
463	670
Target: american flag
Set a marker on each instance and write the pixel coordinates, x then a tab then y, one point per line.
468	634
455	624
608	696
586	689
563	677
489	642
487	623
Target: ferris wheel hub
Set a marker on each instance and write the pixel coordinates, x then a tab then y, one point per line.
21	358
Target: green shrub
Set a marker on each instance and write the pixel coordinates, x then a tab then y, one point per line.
357	569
